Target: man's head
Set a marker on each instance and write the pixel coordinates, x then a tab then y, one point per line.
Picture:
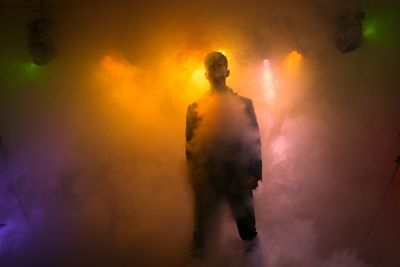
216	65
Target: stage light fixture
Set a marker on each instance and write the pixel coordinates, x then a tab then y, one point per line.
349	35
40	43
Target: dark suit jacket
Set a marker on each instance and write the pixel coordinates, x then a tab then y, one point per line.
193	120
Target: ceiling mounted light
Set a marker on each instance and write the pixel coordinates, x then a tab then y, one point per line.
40	44
349	35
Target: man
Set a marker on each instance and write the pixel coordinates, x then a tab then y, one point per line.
223	152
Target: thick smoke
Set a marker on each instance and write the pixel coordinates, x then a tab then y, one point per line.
225	134
95	139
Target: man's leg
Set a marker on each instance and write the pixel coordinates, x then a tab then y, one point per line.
243	211
204	209
199	227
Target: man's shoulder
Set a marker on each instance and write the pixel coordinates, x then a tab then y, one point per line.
244	99
192	107
195	104
192	110
241	98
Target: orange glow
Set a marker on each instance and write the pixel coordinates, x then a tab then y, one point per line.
186	74
293	62
120	80
198	77
111	66
222	51
180	77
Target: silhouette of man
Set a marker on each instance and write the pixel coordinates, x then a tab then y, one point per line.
223	153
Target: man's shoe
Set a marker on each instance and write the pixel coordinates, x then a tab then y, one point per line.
251	244
198	253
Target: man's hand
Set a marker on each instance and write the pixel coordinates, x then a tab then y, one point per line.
252	182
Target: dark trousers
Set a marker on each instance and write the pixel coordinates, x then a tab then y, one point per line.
206	204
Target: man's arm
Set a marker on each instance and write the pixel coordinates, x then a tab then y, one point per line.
255	166
191	124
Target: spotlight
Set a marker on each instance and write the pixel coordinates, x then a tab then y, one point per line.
268	80
293	61
349	34
40	44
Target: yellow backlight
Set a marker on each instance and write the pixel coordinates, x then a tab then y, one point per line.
293	61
